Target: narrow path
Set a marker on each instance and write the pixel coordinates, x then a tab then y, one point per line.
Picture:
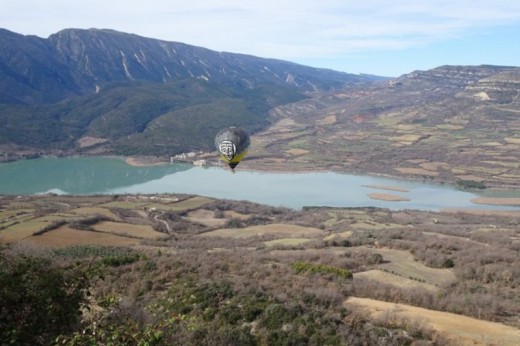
165	223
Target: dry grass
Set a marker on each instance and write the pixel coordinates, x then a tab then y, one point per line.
125	204
7	214
297	152
460	329
512	140
65	236
205	217
392	279
21	230
231	214
187	204
449	127
343	235
130	230
56	217
273	229
402	263
372	225
433	166
96	211
407	139
287	242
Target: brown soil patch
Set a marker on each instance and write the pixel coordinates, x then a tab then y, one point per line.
387	197
462	330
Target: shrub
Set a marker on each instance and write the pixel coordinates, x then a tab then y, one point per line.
471	184
306	267
39	300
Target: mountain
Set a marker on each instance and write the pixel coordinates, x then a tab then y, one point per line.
78	62
451	123
112	92
102	91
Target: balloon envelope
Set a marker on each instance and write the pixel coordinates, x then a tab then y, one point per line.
232	144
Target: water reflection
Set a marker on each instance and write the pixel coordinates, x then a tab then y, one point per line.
101	175
76	175
296	190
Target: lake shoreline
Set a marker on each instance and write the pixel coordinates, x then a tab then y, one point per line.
143	161
280	168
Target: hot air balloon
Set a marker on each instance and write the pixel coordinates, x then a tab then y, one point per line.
232	144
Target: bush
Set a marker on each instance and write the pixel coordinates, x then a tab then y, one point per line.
39	300
305	267
471	184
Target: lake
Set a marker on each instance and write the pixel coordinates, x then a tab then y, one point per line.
103	175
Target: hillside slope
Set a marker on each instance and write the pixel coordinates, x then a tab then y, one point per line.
446	124
132	95
191	270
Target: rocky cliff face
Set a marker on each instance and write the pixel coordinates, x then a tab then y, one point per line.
502	88
75	62
30	72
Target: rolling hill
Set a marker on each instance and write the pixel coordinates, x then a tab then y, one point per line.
451	123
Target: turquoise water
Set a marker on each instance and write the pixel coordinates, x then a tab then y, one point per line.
102	175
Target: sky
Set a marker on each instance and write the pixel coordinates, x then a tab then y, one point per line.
379	37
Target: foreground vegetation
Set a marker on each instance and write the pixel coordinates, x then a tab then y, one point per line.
162	270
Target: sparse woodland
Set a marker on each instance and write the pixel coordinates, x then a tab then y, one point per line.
191	288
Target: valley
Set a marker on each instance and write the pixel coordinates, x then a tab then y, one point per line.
124	268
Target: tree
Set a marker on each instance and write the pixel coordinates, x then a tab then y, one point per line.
39	299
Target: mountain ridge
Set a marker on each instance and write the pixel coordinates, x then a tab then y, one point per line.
80	60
